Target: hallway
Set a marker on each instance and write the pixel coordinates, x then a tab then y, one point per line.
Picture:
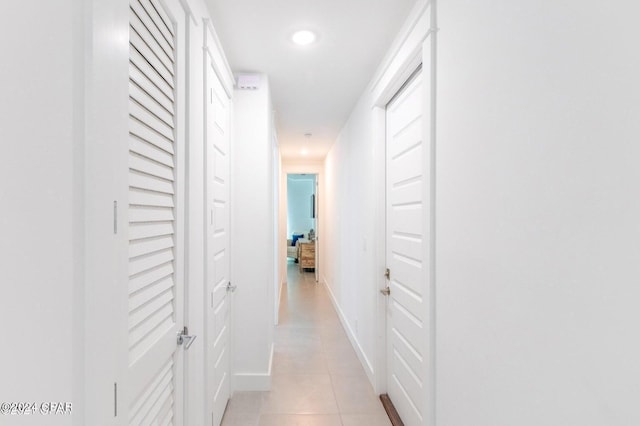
480	229
317	378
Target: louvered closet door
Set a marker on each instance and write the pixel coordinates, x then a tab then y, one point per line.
217	244
407	259
154	389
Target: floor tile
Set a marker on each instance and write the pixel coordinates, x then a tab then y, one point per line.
317	378
246	402
300	420
240	419
299	361
355	395
300	394
344	365
365	420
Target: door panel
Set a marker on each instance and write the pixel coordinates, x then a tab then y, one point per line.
155	288
217	243
407	239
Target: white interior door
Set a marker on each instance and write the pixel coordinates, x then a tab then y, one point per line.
155	289
217	243
407	245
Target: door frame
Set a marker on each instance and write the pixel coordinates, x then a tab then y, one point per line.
316	185
415	45
298	167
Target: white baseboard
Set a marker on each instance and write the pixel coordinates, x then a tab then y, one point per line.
254	381
366	364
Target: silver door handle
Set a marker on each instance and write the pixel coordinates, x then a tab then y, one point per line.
386	291
230	287
186	339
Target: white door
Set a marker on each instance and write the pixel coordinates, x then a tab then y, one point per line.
219	288
407	154
153	394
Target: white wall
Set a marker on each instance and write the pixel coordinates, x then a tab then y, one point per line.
349	256
352	264
352	256
252	245
42	200
299	192
538	214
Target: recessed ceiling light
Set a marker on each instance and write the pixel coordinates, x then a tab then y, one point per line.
303	37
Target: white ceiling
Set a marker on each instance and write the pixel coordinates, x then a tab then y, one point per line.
314	88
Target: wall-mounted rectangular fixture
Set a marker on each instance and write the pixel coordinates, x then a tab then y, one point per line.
248	81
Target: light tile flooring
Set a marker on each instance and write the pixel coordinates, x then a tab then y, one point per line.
317	378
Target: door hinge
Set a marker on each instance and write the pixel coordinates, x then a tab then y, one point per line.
115	399
387	274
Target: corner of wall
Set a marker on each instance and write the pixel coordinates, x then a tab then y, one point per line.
254	381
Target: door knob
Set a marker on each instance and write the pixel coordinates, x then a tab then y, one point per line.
230	287
386	291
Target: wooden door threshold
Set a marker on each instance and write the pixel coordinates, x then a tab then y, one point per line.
394	417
